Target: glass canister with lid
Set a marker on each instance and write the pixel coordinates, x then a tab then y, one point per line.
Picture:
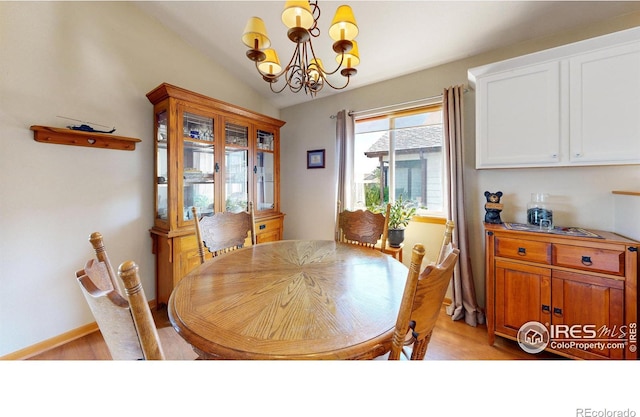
539	212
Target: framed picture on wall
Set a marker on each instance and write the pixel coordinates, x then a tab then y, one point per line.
315	159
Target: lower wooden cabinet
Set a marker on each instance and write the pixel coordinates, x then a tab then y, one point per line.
583	290
269	229
177	254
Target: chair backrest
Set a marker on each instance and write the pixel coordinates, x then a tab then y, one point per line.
97	243
126	322
421	303
447	241
363	227
224	232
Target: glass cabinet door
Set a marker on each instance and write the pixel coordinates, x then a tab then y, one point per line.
198	165
264	171
236	163
162	173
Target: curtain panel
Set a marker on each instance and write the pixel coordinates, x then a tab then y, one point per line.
464	303
345	138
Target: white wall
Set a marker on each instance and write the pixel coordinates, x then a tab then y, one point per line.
94	62
626	220
583	195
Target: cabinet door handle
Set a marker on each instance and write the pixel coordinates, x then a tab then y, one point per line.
557	311
262	226
522	251
255	169
546	308
586	260
217	167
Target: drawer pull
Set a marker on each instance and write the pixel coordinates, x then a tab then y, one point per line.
262	226
557	311
546	308
522	251
586	261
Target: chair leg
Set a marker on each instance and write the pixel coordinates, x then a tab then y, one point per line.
420	348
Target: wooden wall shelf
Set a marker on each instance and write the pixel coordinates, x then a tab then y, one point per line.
636	193
59	136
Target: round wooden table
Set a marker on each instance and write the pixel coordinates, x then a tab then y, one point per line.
290	300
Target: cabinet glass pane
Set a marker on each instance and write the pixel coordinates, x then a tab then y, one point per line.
265	140
236	160
236	135
264	171
264	177
198	177
237	181
197	127
161	166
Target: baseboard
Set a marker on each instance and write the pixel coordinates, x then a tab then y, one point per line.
56	341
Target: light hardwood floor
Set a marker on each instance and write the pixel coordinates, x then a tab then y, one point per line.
451	340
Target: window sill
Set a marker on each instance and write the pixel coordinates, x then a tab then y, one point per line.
434	219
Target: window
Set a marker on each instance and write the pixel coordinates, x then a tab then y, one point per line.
397	155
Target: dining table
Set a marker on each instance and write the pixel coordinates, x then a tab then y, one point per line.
290	299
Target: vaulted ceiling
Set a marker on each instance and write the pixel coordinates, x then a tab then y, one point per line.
395	37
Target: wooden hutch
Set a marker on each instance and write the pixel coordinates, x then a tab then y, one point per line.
213	156
585	286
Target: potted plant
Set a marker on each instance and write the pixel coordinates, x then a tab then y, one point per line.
399	216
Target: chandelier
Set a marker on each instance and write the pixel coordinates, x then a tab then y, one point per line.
305	71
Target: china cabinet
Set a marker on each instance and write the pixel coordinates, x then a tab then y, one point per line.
576	284
559	106
213	156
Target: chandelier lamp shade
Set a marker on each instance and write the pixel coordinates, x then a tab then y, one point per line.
305	71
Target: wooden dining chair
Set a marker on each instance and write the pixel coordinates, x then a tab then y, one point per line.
421	303
126	322
363	227
447	241
97	242
224	232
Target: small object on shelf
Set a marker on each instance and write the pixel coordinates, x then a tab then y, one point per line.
85	126
59	136
538	211
493	207
557	230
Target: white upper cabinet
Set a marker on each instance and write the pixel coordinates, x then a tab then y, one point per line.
604	106
518	116
575	105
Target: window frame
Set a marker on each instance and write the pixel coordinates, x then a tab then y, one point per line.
392	116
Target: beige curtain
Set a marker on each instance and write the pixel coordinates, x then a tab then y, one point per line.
464	304
345	138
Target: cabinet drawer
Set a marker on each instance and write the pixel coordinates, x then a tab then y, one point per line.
589	259
527	250
267	226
